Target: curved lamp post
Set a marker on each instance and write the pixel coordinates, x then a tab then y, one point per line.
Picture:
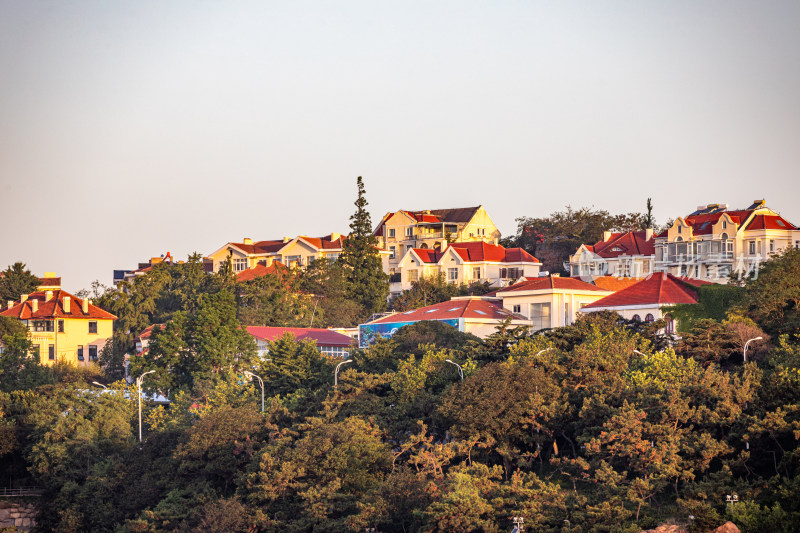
640	353
540	352
460	370
99	384
744	351
261	381
336	372
139	390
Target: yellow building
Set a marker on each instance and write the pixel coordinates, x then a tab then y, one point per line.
60	325
298	252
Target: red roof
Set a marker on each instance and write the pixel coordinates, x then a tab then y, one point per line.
659	289
262	270
323	337
324	243
49	282
769	222
550	283
148	331
478	251
629	243
470	308
613	283
54	308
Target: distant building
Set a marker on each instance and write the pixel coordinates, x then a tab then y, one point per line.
623	255
713	242
60	325
143	268
466	262
400	231
328	342
291	252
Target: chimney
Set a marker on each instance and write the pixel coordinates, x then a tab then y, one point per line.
65	304
247	240
606	235
648	234
85	306
10	304
34	306
286	239
48	295
24	297
335	236
50	275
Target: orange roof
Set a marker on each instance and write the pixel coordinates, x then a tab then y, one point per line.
261	270
659	289
323	337
769	222
613	283
54	308
550	283
470	308
478	251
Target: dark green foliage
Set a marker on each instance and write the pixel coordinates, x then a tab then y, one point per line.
773	298
367	284
16	281
435	289
19	368
414	337
326	282
271	301
714	302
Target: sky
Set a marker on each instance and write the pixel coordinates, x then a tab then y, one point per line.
130	129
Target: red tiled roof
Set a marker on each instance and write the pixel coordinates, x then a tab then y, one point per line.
628	243
49	282
659	289
478	251
467	308
769	222
261	270
148	331
323	337
54	308
550	283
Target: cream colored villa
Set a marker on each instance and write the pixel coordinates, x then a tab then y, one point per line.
623	255
400	231
297	252
712	242
466	262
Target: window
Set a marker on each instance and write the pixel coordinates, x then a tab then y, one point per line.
724	224
636	318
670	324
540	315
410	231
80	353
36	350
391	233
752	247
335	351
92	353
771	246
476	273
680	229
511	273
649	318
51	352
93	326
452	274
517	309
239	264
43	325
392	252
61	326
413	274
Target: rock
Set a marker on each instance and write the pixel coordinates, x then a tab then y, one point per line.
667	528
727	527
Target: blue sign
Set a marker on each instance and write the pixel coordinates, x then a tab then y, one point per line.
370	333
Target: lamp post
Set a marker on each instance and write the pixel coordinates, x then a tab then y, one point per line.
99	384
540	352
261	381
744	351
139	390
336	372
640	353
460	370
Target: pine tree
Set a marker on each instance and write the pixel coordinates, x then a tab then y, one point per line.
648	221
367	284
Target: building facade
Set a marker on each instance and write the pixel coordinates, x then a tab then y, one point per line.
61	326
624	255
297	252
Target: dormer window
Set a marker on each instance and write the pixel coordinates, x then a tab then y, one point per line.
680	229
616	249
724	224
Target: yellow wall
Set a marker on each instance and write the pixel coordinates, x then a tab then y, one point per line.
76	333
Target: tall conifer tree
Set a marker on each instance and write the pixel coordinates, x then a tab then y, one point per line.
367	284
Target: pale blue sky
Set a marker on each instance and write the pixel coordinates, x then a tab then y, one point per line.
128	129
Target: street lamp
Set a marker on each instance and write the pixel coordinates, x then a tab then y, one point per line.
139	389
336	372
540	352
261	381
640	353
460	370
99	384
744	351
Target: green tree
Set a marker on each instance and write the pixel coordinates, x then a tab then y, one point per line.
15	281
433	289
648	221
326	282
367	283
772	298
20	369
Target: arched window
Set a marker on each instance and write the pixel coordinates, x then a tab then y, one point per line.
424	246
649	317
670	324
679	239
636	318
724	236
